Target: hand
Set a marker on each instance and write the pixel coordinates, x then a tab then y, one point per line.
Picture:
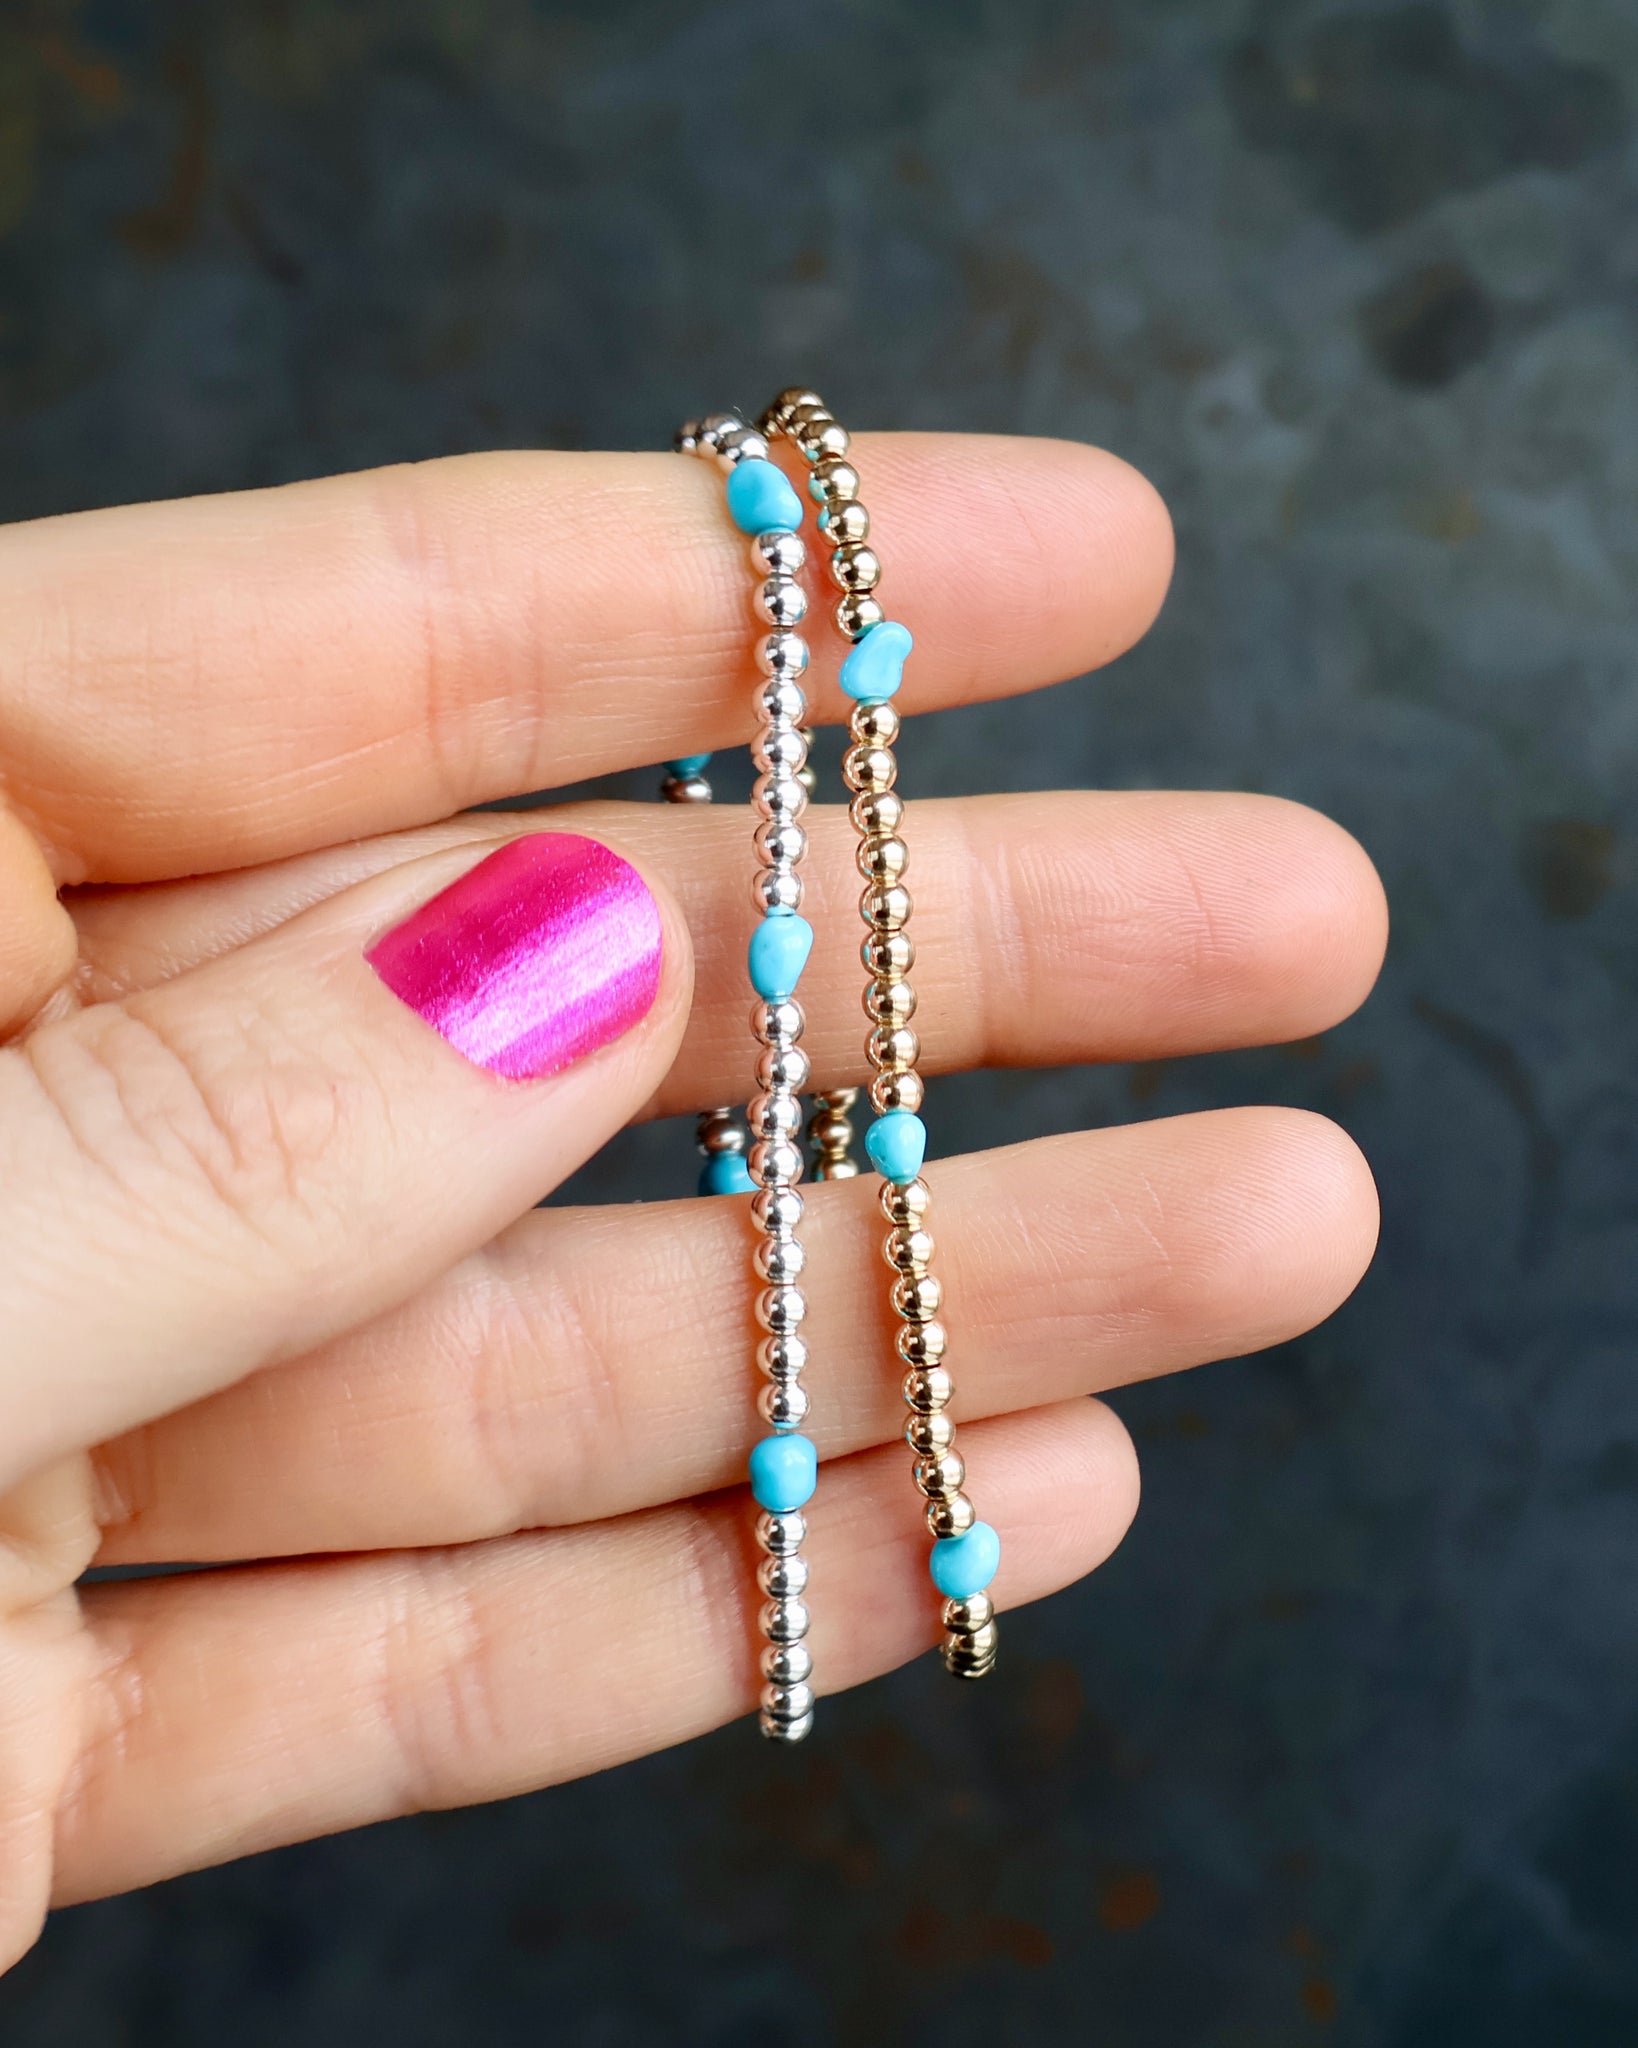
271	1285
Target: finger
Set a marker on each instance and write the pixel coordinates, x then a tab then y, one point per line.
237	1710
523	1389
221	681
227	1169
1048	928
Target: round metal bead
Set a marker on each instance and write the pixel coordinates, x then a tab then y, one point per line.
783	1404
905	1205
874	725
780	842
909	1251
784	1621
719	1132
774	1114
780	749
975	1612
779	1259
777	889
789	399
782	1535
687	437
780	700
927	1388
847	522
886	910
686	789
838	479
832	1131
788	1702
778	554
777	1209
783	1577
940	1476
978	1643
782	601
952	1516
781	1066
782	653
890	1002
896	1091
869	768
785	1731
925	1434
917	1297
781	1309
776	1160
780	1023
787	1663
888	954
964	1659
923	1344
780	796
895	1047
741	444
858	611
855	568
818	438
711	430
782	1356
882	860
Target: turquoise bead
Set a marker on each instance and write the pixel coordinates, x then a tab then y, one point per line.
725	1173
761	499
964	1565
897	1144
784	1472
689	764
875	668
816	489
779	950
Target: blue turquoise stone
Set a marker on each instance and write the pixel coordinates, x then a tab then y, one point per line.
725	1173
784	1472
816	489
689	764
897	1144
761	499
779	949
823	522
875	668
964	1565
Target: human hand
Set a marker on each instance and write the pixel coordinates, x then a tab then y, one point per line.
271	1286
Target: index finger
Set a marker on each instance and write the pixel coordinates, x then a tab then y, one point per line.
218	681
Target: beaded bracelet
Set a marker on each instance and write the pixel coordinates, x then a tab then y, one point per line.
784	1465
965	1551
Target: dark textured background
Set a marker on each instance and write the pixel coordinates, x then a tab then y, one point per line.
1344	1744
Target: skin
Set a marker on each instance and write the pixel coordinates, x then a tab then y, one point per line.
274	1290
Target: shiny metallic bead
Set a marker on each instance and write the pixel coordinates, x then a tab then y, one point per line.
780	796
777	1209
855	568
893	1047
952	1516
740	444
908	1251
781	1066
780	1023
783	1577
887	954
975	1612
780	1259
874	725
847	522
686	789
890	1002
838	479
774	1730
782	601
869	768
896	1091
877	813
929	1434
781	1309
783	1404
719	1131
778	554
784	1621
886	910
780	749
940	1477
779	842
780	700
827	1128
927	1388
774	1113
776	889
858	611
923	1344
882	860
710	431
774	1161
782	1535
904	1206
779	413
917	1297
787	1663
818	438
782	1355
687	437
965	1657
788	1702
782	653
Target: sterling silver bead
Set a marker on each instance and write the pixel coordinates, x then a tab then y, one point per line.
774	1113
787	1067
781	701
784	1405
780	796
778	554
777	1209
783	1578
782	601
774	1160
780	1023
787	1663
782	1355
782	1535
740	444
782	653
780	749
784	1621
777	889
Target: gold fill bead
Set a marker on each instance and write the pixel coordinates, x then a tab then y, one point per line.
838	479
858	612
894	1048
868	769
896	1091
940	1476
975	1612
918	1297
906	1205
882	860
923	1344
908	1251
890	1002
886	910
952	1517
927	1388
888	954
855	567
874	725
848	522
929	1434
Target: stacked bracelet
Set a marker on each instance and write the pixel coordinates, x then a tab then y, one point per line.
784	1465
965	1551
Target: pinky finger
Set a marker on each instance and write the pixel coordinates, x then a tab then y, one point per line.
240	1710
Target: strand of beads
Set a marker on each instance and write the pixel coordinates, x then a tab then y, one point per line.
784	1464
965	1551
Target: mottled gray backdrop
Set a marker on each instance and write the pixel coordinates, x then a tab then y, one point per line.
1344	1744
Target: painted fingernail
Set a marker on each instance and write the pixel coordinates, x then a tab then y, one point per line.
534	958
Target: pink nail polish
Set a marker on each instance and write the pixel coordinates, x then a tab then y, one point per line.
535	957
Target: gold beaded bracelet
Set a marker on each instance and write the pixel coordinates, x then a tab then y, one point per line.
965	1551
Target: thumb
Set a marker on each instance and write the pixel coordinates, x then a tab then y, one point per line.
222	1171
